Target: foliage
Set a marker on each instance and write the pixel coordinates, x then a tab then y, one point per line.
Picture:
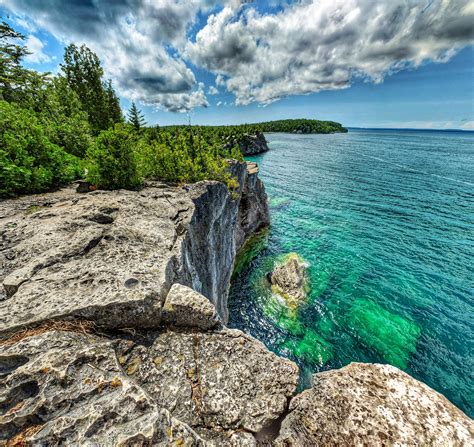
112	158
83	72
231	133
53	126
135	117
14	79
29	161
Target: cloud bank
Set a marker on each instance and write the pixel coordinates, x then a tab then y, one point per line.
149	47
326	44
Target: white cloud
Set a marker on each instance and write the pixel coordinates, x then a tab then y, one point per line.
467	125
134	39
35	46
306	47
324	45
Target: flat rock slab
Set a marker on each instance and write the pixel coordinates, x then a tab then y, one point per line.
107	256
370	404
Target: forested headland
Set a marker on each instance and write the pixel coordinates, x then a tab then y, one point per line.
58	128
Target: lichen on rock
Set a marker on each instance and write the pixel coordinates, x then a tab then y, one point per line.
370	404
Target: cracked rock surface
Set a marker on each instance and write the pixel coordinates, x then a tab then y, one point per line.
371	404
112	334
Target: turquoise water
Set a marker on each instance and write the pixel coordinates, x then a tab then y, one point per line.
385	221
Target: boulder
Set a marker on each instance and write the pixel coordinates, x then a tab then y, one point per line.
289	279
185	307
371	404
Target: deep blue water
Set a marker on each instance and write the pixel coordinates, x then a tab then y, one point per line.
385	221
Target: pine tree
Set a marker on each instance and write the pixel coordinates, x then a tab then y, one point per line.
135	117
83	71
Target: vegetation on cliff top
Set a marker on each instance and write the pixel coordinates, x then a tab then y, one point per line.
54	129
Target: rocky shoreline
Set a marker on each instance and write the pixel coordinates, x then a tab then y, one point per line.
112	332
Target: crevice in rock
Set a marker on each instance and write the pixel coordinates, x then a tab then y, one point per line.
271	431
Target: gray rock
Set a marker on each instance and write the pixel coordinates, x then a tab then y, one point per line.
369	404
111	256
186	307
223	381
253	144
289	279
65	388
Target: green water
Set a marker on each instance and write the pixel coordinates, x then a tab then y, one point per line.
385	220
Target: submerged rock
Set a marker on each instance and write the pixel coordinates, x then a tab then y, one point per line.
289	280
369	404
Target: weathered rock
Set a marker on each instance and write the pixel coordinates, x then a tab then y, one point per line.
64	388
289	279
224	381
185	307
253	213
253	144
369	404
111	256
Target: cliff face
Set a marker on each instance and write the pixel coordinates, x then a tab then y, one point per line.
253	144
109	333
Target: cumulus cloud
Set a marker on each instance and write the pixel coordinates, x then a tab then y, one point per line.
324	45
35	47
134	39
259	55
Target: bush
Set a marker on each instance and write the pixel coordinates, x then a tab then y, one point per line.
112	160
29	161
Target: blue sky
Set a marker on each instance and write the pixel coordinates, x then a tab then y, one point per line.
224	63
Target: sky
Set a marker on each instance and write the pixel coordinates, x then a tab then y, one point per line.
364	63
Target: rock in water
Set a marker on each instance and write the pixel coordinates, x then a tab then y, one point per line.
253	144
289	279
370	404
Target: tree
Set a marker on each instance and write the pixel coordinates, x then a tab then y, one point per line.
112	158
83	72
29	161
135	117
15	81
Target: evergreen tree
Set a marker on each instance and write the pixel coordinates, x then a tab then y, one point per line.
84	72
15	81
135	117
113	103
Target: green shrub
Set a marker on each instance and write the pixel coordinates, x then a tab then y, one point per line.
112	160
29	161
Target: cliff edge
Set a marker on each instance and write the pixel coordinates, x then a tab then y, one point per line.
112	332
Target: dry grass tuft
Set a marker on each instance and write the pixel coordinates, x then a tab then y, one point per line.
84	327
22	438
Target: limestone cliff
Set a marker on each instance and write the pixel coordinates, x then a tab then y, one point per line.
253	144
109	333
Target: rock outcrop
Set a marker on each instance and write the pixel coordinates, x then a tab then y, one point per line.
253	144
370	404
112	333
289	279
112	256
